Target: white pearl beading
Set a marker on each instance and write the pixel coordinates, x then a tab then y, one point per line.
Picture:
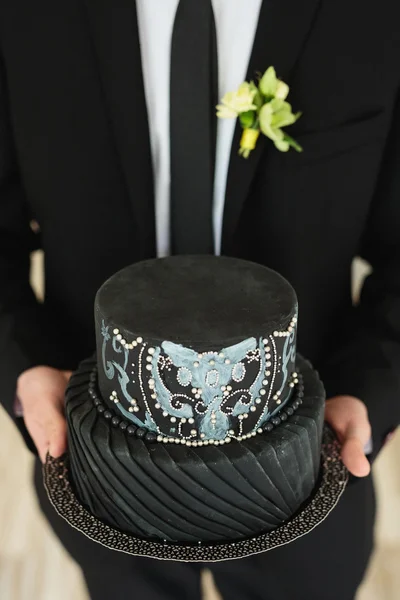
291	327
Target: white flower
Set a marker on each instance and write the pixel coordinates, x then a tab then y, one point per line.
225	112
240	101
282	90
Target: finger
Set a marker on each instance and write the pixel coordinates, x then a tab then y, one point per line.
57	435
42	451
67	375
359	427
354	458
38	434
356	436
47	427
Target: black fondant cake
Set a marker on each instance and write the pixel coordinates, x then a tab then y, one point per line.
197	422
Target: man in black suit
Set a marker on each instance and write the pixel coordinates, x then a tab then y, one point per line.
94	173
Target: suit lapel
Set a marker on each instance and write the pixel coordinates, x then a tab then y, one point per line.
114	29
283	28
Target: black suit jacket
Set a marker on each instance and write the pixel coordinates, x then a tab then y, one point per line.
75	157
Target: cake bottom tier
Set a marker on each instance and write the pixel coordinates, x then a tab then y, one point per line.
187	494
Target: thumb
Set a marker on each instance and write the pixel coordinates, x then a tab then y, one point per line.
58	436
353	449
56	432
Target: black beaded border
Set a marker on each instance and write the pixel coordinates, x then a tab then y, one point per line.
331	485
150	436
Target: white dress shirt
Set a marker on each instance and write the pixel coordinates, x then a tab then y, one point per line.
236	23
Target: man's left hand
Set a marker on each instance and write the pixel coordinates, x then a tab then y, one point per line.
348	417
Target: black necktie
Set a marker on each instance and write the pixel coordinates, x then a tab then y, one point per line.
193	96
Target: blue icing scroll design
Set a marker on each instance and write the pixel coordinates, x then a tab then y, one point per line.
119	350
241	407
238	372
177	406
107	365
215	424
258	382
210	371
202	392
123	379
288	354
110	367
114	345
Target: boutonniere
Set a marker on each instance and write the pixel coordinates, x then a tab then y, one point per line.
262	109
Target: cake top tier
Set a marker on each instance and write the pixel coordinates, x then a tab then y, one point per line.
205	301
196	349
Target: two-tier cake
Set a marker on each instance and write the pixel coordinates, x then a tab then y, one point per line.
197	423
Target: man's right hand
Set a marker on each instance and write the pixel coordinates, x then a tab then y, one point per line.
41	391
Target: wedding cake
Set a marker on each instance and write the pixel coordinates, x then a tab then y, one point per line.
196	421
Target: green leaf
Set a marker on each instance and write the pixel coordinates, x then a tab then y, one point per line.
273	134
247	119
282	119
245	152
258	99
281	145
265	118
278	104
268	83
292	143
283	115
